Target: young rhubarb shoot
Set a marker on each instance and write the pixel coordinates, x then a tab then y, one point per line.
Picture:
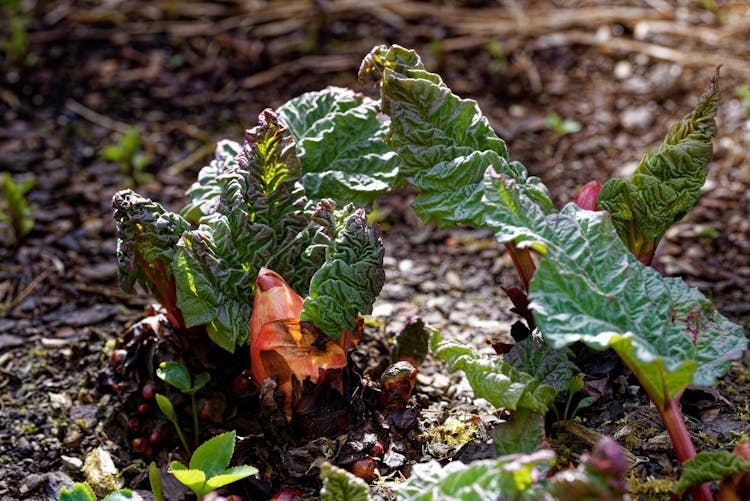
283	347
667	183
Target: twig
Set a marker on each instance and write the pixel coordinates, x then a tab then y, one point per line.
94	117
25	292
191	159
592	437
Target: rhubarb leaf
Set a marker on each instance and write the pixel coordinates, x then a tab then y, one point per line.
205	192
258	216
717	340
522	432
708	466
444	142
589	288
492	378
351	278
213	288
339	140
548	365
667	183
147	235
340	485
511	477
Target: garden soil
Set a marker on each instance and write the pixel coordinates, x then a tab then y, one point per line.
579	90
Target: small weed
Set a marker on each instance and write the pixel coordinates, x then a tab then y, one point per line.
15	212
129	155
743	92
561	126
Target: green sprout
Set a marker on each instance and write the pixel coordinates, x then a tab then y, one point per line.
129	155
208	470
177	375
14	210
561	126
743	92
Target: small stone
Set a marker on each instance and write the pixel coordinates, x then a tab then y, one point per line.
623	70
71	463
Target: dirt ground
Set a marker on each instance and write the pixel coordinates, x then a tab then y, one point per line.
190	73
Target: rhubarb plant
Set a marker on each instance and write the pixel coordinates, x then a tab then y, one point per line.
584	284
248	211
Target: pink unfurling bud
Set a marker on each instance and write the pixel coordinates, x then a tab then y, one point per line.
587	196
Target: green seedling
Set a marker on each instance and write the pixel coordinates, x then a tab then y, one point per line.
14	210
561	126
208	470
177	375
154	481
743	92
574	386
129	155
167	409
16	45
83	492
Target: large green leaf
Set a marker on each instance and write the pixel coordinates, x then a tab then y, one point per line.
258	214
510	478
147	235
444	142
717	340
339	139
213	291
492	378
548	365
707	466
350	279
667	183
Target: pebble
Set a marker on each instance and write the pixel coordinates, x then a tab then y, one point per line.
71	463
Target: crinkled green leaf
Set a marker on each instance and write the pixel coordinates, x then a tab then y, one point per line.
444	142
307	252
492	378
667	183
214	455
146	239
258	215
340	144
708	466
204	193
340	485
548	365
717	340
510	478
413	342
523	432
589	288
212	290
350	279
